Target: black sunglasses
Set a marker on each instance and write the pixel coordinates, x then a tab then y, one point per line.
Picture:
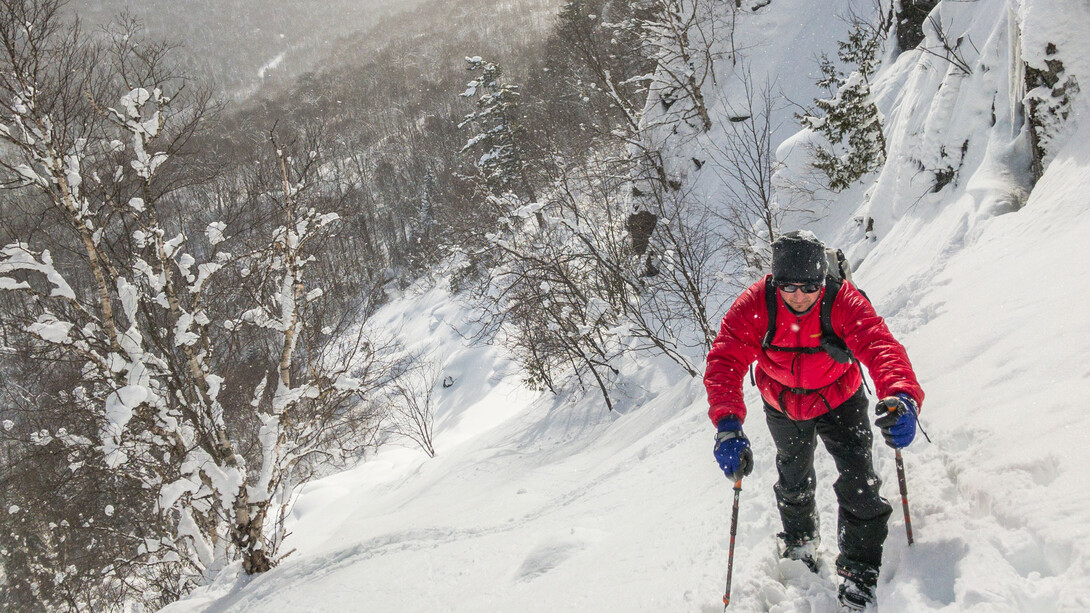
809	288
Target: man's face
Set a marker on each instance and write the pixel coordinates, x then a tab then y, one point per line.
798	298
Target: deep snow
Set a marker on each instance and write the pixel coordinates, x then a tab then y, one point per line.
541	503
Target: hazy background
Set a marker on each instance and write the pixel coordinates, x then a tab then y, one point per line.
241	43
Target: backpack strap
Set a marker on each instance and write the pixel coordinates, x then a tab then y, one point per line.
830	342
832	288
770	303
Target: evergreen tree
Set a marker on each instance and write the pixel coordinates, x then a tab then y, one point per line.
849	119
499	134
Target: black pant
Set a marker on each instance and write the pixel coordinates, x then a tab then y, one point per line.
846	433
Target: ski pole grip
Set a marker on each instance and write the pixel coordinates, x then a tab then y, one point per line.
885	405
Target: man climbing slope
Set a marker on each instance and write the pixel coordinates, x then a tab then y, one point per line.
808	333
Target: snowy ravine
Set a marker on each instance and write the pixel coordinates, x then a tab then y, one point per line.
542	503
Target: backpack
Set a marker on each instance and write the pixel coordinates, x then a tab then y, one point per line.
839	270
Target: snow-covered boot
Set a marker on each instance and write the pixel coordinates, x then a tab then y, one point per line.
857	588
803	548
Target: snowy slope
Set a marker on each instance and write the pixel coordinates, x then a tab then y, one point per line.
536	503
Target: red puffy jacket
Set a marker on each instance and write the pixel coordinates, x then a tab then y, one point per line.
853	319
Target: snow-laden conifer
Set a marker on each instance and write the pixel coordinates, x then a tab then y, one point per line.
849	120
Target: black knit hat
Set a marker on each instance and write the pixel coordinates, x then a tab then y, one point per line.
798	257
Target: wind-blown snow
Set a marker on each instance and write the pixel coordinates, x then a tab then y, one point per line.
271	65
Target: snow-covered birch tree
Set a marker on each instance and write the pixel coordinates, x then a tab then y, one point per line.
120	292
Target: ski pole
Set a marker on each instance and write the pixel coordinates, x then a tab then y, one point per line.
733	532
883	410
904	494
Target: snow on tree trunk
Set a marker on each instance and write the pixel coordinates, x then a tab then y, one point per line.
130	307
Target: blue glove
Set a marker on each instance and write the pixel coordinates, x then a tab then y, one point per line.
732	449
897	419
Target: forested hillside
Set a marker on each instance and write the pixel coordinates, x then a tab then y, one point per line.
189	280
